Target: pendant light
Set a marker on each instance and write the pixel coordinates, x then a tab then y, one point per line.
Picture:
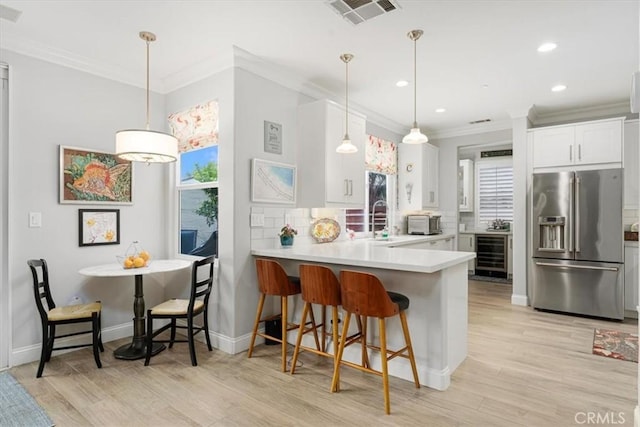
346	147
148	146
415	136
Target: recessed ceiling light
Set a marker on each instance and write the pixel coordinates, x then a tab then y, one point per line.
547	47
402	83
440	110
558	88
485	86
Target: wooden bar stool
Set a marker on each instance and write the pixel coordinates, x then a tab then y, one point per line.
320	286
273	280
363	294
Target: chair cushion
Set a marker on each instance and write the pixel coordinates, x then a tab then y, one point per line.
401	300
78	311
176	306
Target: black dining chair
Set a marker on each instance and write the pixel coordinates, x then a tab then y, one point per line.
202	278
52	316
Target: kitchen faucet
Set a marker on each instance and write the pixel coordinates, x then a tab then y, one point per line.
380	202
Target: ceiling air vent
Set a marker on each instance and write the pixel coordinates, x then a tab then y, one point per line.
475	122
357	11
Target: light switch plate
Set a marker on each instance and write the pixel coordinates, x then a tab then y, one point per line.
35	219
257	220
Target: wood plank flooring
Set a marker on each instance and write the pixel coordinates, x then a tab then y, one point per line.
524	368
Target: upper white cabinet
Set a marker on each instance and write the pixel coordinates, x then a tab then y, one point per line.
418	176
631	165
327	178
465	185
588	143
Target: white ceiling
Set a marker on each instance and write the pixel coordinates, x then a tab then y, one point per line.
466	44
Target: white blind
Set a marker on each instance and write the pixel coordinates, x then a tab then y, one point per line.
495	192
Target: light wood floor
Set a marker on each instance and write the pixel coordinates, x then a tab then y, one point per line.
524	368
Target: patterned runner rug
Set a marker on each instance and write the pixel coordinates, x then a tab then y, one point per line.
615	344
17	407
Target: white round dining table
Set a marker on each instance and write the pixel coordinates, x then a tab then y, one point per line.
137	348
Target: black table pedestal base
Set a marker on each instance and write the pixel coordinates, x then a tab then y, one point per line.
131	352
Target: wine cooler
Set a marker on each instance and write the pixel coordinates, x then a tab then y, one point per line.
491	254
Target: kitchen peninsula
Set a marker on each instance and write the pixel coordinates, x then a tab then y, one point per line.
434	281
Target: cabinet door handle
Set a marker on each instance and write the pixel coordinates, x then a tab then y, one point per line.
465	200
431	196
570	153
350	187
579	151
346	188
470	241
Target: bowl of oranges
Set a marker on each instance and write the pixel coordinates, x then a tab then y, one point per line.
134	257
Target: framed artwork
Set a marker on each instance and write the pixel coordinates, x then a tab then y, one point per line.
99	227
94	177
272	137
273	182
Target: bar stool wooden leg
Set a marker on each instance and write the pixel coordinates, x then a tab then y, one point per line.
315	328
334	332
383	359
296	350
284	306
324	328
407	340
256	323
362	326
335	386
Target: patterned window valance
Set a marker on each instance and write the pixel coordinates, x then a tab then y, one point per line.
381	156
196	127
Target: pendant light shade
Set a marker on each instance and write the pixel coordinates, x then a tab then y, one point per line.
415	136
346	147
145	145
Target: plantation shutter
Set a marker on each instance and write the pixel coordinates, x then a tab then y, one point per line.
495	193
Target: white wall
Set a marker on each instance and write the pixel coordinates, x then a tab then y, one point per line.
51	106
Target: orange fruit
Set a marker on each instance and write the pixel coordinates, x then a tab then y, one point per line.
144	255
138	262
128	263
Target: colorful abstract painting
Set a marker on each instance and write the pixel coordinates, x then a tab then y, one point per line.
94	177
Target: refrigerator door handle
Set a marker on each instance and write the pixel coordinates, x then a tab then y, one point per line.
577	215
583	267
570	225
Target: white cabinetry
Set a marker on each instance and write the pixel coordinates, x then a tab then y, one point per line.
465	185
588	143
630	278
327	178
467	243
631	165
442	244
418	176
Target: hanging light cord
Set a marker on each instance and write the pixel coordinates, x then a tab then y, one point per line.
148	41
346	111
415	83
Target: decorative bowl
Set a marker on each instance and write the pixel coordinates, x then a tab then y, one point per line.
134	257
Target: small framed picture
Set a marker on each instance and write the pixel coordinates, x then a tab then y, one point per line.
272	138
99	227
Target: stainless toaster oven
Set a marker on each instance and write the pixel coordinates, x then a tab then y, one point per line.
423	224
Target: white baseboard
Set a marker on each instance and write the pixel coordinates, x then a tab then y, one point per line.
31	353
519	300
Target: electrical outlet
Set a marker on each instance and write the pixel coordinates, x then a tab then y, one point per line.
35	219
257	220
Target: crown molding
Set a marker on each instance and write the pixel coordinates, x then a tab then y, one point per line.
498	125
579	114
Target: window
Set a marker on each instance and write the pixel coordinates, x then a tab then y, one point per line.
494	197
198	201
360	220
197	180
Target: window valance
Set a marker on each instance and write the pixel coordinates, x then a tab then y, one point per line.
381	156
196	127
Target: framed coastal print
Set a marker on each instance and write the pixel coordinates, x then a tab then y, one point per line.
273	182
98	227
94	177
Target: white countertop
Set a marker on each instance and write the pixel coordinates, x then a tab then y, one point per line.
389	255
481	231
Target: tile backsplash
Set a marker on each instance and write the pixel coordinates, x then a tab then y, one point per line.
629	216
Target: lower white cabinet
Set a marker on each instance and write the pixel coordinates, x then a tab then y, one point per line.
630	278
444	244
467	243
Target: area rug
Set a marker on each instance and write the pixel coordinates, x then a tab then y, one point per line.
17	407
615	344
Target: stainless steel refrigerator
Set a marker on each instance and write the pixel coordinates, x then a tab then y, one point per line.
578	245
